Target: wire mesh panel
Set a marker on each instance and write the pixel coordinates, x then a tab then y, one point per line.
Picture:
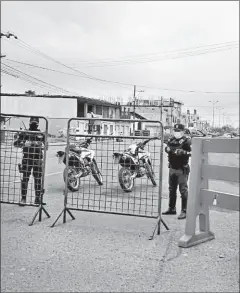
112	171
23	156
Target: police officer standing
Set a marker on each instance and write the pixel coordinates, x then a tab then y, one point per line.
32	145
178	149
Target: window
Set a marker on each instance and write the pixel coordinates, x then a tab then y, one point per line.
111	129
111	113
105	112
105	128
99	110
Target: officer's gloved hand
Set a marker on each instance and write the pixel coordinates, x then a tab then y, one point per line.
180	152
27	143
167	149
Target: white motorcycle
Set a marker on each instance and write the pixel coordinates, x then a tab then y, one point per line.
81	164
135	163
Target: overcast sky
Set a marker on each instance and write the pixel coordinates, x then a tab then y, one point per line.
83	35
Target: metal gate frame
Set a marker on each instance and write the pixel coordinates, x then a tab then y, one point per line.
67	209
40	207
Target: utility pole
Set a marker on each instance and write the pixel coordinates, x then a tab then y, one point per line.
8	35
213	103
219	117
134	107
223	118
2	56
171	104
161	110
134	103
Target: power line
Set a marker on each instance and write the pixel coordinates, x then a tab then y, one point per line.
29	47
24	78
67	73
29	77
154	54
50	69
160	58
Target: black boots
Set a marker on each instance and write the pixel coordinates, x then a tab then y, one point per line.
23	201
182	215
170	211
37	200
172	206
184	208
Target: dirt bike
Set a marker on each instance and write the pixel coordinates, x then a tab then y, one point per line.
81	164
135	163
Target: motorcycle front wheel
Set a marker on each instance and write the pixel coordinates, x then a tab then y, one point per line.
96	173
125	179
72	182
150	175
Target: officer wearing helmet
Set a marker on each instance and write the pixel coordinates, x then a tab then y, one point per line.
178	149
32	145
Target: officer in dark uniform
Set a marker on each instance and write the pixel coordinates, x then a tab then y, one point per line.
178	149
32	145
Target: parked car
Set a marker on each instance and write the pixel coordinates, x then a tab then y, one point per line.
195	133
189	132
228	135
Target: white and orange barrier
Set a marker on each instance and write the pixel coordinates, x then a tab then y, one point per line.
200	196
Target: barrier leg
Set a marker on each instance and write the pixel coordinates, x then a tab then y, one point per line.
39	212
157	227
64	211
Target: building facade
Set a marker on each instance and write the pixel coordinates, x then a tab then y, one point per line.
59	109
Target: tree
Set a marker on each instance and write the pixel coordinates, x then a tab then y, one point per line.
30	93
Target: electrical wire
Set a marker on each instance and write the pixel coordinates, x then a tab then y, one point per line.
154	54
160	58
29	47
35	80
30	81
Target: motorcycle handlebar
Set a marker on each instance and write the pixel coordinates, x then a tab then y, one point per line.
146	141
87	142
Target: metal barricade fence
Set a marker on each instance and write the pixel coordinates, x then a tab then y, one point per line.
98	179
23	153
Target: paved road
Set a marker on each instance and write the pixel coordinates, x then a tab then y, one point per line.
109	253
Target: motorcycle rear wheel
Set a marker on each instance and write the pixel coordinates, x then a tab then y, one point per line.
73	183
125	180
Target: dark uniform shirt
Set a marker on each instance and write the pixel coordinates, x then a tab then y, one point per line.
178	161
36	140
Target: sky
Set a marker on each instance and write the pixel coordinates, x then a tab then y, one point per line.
133	42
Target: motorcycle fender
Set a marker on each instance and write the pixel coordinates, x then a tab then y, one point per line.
145	158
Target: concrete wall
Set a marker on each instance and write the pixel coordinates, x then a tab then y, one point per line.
47	107
56	110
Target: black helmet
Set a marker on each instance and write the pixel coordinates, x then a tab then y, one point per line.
33	123
34	120
179	127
